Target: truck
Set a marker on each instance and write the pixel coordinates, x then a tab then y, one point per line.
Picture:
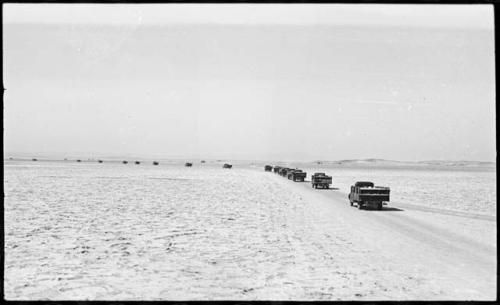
365	193
297	175
321	180
268	168
284	171
226	165
277	169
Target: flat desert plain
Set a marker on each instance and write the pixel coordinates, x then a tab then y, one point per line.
126	232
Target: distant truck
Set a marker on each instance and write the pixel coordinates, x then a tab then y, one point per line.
227	165
365	193
268	168
321	180
297	175
277	169
284	171
188	164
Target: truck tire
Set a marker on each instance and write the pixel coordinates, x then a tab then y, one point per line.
360	206
379	206
327	186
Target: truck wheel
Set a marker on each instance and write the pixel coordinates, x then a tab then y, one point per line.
360	206
379	206
327	186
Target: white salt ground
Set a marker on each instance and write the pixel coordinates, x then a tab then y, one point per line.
115	232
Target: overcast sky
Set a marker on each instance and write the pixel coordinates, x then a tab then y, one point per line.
282	82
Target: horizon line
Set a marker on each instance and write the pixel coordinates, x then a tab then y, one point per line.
138	158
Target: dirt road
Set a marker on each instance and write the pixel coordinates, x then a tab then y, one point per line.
452	255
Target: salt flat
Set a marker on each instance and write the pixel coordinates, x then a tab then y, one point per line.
127	232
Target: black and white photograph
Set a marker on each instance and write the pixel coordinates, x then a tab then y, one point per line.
249	152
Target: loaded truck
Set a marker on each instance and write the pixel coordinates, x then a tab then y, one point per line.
321	180
268	168
365	193
297	175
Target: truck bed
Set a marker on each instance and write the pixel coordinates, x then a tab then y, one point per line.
376	193
322	179
373	197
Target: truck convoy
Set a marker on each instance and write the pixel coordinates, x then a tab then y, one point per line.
365	193
321	180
